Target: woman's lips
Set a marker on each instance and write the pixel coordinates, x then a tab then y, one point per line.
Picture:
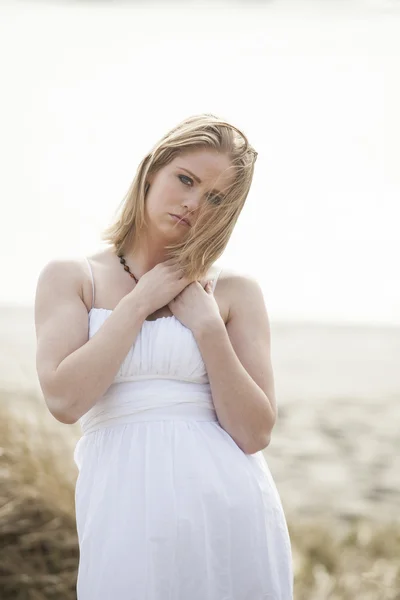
180	220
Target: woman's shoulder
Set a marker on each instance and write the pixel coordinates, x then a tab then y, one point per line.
65	266
70	272
235	289
231	276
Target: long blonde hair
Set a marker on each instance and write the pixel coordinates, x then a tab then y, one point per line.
210	234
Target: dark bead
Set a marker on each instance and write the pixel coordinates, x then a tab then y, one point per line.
127	269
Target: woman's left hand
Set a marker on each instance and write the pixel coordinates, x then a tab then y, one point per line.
195	306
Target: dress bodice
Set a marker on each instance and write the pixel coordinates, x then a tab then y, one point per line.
164	348
163	376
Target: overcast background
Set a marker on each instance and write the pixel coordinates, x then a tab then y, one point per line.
88	87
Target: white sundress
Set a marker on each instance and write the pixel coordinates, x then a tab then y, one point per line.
168	507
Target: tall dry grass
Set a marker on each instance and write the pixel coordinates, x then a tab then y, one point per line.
333	560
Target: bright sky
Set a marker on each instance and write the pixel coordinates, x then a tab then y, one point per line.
88	88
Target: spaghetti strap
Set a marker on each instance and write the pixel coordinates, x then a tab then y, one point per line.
214	281
91	274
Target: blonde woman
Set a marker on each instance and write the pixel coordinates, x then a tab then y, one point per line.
170	377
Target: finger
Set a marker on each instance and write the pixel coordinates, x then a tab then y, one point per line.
183	280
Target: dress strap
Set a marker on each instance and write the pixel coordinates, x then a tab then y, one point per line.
214	281
91	274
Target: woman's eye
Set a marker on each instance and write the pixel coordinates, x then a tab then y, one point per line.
214	199
185	177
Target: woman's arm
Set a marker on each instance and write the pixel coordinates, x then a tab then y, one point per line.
74	371
238	362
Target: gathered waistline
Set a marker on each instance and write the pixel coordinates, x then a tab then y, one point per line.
178	411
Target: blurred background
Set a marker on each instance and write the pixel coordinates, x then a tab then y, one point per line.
87	88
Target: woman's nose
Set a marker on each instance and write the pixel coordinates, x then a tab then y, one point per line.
192	201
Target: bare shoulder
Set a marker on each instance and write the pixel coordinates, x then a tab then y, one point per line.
242	291
238	294
61	277
234	278
60	271
61	265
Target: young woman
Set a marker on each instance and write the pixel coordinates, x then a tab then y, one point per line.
170	378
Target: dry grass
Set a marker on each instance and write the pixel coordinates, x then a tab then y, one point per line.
333	560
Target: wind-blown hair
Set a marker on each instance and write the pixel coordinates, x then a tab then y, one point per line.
209	235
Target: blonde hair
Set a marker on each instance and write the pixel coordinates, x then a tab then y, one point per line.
210	233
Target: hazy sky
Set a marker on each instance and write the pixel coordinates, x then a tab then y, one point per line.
88	88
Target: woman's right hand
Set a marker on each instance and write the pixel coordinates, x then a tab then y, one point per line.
160	285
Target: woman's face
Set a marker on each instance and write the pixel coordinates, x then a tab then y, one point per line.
182	186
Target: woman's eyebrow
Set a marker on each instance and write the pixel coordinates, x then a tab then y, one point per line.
199	180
